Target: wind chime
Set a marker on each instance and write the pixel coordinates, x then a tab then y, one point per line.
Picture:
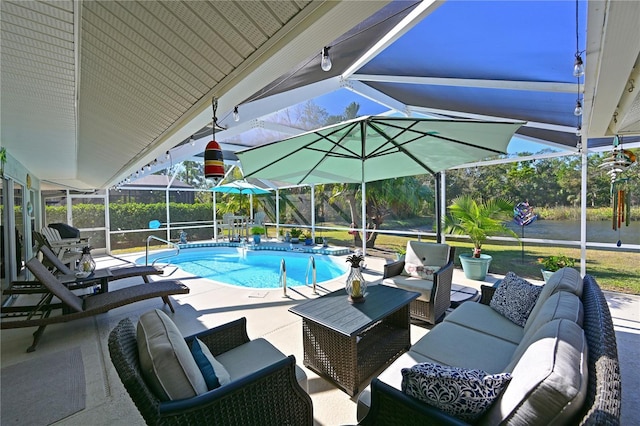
618	162
213	160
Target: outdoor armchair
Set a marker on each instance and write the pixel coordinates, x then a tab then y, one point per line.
270	395
73	306
435	290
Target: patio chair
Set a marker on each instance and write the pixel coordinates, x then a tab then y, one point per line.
61	245
435	296
67	257
265	392
74	307
116	273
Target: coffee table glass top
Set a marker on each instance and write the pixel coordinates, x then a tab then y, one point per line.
334	310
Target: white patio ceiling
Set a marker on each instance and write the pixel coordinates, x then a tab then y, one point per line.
93	91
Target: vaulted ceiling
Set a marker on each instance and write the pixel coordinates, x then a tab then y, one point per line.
93	90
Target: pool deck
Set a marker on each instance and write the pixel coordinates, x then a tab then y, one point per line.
209	304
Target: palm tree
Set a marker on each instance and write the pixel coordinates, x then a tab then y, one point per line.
479	220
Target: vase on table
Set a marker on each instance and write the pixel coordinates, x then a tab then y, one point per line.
355	285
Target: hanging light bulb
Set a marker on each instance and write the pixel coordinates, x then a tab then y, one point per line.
325	63
578	110
579	131
148	167
167	155
578	66
236	114
192	140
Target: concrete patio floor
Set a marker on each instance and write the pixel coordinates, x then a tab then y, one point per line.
210	304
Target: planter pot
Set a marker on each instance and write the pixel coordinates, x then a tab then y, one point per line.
293	240
308	242
475	268
256	239
546	274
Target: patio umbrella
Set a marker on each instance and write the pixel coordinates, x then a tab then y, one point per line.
240	187
375	148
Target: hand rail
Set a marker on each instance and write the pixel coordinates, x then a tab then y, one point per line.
283	277
311	265
153	237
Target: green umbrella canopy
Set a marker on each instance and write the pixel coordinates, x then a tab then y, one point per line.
376	148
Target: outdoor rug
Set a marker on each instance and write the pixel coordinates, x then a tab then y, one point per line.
44	389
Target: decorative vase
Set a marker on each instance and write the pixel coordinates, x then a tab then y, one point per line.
86	265
355	285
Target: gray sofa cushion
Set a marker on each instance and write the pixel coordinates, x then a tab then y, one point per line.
482	318
252	356
565	279
549	378
453	344
560	305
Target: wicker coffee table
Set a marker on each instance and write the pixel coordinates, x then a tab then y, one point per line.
347	342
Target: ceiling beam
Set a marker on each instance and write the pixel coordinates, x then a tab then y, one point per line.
537	86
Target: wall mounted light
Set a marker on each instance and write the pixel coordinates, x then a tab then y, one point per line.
325	63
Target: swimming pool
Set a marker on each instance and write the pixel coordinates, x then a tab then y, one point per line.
252	268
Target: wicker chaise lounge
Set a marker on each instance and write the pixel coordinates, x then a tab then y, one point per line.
74	307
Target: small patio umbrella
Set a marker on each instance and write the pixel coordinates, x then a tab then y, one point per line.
375	148
240	187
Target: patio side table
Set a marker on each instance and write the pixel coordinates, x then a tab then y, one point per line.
347	342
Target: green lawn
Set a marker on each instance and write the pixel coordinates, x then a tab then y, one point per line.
615	271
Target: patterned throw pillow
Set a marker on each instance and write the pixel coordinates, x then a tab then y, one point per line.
420	271
463	393
514	298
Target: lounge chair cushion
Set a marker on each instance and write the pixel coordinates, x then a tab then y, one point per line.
515	298
166	362
463	393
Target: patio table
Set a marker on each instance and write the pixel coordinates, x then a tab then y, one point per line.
347	342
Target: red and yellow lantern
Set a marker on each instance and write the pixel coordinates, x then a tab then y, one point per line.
213	161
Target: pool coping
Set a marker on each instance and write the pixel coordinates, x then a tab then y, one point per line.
273	246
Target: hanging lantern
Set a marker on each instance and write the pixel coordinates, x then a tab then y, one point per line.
213	161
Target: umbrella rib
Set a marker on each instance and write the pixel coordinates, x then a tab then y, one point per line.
402	149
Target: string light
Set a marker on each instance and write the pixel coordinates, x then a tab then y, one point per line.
236	114
578	110
192	140
167	155
578	66
325	63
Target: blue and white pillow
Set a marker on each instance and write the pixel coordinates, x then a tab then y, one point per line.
515	298
462	393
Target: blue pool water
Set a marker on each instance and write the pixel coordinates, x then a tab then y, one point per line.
252	269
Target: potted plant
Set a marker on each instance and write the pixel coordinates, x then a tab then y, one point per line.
256	231
295	235
551	264
308	240
478	220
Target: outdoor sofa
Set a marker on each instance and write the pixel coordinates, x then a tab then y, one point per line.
257	384
563	362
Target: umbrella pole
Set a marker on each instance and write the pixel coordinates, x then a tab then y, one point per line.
364	217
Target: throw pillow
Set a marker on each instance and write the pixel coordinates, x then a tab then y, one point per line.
166	362
215	375
420	271
514	298
462	393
